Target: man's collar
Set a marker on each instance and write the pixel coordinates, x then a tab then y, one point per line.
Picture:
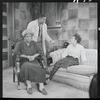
37	22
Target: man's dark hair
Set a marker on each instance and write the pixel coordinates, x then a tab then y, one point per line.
41	16
77	37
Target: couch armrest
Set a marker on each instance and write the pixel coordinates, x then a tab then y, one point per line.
56	55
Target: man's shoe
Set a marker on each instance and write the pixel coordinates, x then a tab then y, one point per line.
45	83
29	90
43	91
47	80
37	85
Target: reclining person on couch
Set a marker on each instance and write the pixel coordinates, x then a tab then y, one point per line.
71	56
31	71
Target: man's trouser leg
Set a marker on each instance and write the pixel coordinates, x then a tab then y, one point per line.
54	71
56	67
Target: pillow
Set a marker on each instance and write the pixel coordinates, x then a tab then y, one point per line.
82	69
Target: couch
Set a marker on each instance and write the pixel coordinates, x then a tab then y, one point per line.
78	76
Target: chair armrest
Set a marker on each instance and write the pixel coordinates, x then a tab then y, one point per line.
16	62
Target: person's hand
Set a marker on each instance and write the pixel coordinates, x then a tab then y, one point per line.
31	58
52	41
28	57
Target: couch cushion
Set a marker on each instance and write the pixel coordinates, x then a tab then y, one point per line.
79	83
82	69
76	80
72	76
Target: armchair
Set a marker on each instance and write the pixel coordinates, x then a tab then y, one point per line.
16	63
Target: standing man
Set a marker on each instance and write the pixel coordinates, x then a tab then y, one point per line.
39	28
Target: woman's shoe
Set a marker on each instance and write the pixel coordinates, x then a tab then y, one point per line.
43	91
29	90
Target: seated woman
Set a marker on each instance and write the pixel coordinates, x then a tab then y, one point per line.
71	56
31	71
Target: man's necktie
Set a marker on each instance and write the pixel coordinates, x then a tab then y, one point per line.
39	31
40	35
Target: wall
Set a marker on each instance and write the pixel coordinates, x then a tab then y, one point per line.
81	18
22	16
72	17
16	16
24	13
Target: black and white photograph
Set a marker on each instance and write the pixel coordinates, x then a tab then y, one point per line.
50	49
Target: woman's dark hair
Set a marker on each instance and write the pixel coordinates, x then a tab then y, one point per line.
77	37
65	44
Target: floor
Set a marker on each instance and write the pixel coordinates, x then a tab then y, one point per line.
54	89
